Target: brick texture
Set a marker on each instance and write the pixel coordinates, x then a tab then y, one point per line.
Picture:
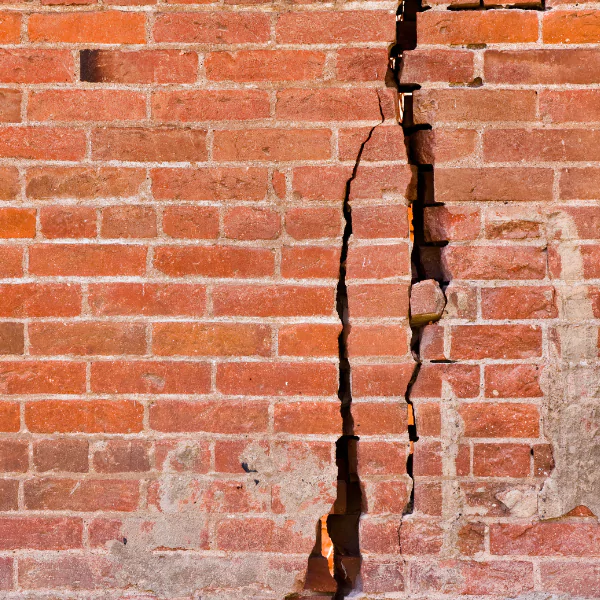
173	178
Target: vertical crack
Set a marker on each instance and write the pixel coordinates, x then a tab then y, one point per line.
343	522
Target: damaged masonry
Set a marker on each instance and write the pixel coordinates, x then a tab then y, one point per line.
299	300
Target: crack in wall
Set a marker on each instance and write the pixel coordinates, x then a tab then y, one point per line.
425	256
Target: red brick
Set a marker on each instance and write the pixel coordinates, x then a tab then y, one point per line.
362	64
40	533
46	377
208	105
87	338
210	339
518	303
494	262
10	420
260	534
378	300
571	27
277	379
386	496
191	222
83	182
150	377
378	340
471	539
577	578
372	222
428	498
378	577
9	183
214	261
9	492
511	223
380	535
87	261
462	379
384	143
91	416
141	66
86	105
321	183
17	222
451	144
381	380
147	299
543	460
210	28
10	106
122	456
308	340
496	341
10	27
382	458
245	223
229	454
306	418
579	183
545	539
107	27
501	460
376	418
82	572
477	27
512	381
81	494
310	262
431	346
212	416
61	455
541	145
506	420
332	104
466	105
128	222
473	578
579	222
547	66
273	144
68	222
209	184
36	66
579	106
264	65
455	66
591	261
493	184
419	537
14	457
268	301
324	27
160	145
45	143
377	262
313	223
375	183
450	223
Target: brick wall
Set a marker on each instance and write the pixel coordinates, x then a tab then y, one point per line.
214	218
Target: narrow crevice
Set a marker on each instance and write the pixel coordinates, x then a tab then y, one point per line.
425	255
343	522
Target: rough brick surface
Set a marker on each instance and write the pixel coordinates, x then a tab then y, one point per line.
176	182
